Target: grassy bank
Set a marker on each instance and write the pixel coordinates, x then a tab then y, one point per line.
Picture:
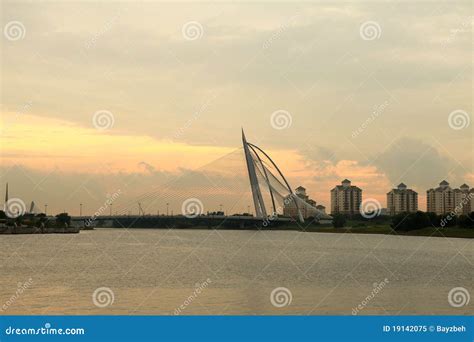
455	232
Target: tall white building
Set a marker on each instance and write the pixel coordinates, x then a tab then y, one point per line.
346	198
463	200
445	200
441	199
402	200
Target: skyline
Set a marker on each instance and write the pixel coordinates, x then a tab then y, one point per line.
374	109
165	208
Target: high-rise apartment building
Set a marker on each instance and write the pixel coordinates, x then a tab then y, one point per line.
402	200
346	198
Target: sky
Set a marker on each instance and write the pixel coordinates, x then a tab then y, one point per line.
98	97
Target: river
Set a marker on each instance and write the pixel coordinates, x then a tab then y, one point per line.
160	271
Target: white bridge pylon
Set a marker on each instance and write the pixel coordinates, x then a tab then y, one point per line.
254	164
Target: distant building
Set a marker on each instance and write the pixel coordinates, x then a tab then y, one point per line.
471	194
346	198
290	209
463	200
402	200
321	208
440	200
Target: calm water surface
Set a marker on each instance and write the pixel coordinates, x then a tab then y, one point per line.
157	271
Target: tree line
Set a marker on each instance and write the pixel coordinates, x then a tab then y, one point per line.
411	221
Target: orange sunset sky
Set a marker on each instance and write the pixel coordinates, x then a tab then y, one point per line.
175	82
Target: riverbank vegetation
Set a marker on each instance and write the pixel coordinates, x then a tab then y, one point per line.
413	224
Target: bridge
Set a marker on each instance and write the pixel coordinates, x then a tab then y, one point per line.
274	201
178	221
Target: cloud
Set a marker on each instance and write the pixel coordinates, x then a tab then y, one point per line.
418	164
319	153
310	66
252	60
222	181
147	167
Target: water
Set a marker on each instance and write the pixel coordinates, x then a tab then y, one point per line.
158	271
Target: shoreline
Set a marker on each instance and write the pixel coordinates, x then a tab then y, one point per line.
461	233
10	230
